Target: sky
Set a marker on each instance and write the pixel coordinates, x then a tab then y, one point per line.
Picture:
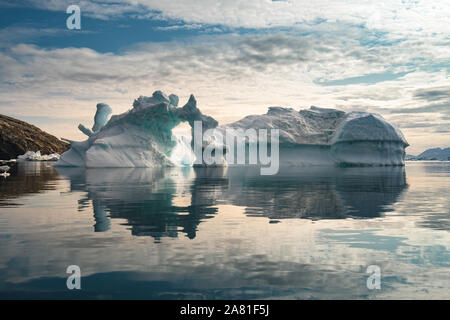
237	57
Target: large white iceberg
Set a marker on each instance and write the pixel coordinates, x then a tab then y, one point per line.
142	136
319	136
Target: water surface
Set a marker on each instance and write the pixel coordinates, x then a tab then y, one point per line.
184	233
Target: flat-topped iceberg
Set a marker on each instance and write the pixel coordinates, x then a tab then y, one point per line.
319	136
142	136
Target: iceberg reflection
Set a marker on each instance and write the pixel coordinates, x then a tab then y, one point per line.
166	202
318	192
155	202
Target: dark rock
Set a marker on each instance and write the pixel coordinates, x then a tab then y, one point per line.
18	137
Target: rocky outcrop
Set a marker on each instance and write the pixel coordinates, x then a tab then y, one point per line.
18	137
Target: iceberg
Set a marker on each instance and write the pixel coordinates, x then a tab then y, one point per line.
142	136
36	156
319	136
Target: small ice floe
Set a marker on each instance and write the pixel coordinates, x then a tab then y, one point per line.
8	161
36	156
4	171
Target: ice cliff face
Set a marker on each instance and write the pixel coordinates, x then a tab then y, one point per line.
141	137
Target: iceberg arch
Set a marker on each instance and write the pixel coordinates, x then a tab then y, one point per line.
140	137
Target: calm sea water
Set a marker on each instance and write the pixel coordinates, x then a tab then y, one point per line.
306	233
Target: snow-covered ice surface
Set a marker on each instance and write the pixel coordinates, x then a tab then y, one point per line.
142	136
36	156
305	127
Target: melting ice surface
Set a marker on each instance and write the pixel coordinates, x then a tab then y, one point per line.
225	233
142	136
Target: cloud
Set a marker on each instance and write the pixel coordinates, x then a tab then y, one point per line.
442	107
433	94
252	59
103	10
368	78
255	60
400	17
180	27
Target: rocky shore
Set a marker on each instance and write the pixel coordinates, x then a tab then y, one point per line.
18	137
